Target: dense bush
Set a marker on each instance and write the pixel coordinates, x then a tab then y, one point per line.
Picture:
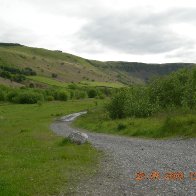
49	98
121	126
116	107
177	90
2	95
61	95
11	96
15	74
73	86
138	103
189	91
54	75
13	70
131	102
80	94
21	95
92	93
28	98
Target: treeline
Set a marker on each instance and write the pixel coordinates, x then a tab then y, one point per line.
177	90
15	74
25	95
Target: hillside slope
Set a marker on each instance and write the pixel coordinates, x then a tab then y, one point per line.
141	71
63	67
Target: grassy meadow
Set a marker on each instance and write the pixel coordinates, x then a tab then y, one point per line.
48	81
33	160
53	82
103	84
162	125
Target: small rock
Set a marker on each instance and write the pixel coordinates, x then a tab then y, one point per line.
78	137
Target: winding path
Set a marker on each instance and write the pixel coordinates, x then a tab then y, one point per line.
127	156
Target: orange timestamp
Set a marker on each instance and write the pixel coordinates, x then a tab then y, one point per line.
155	175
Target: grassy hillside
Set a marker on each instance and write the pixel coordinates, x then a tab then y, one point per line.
62	66
57	67
141	71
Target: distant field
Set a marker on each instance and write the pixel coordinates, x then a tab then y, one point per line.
33	160
53	82
100	84
163	125
49	81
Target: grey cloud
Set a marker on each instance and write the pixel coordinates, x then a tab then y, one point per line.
171	16
186	55
139	32
15	34
71	8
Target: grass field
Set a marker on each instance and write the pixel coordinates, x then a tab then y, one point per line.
34	161
48	81
53	82
103	84
162	125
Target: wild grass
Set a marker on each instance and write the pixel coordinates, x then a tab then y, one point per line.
53	82
49	81
162	125
33	160
103	84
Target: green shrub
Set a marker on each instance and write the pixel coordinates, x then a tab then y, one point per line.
138	104
54	75
116	107
177	89
11	96
2	95
189	92
61	95
80	94
72	86
131	102
39	103
101	96
121	126
50	98
28	98
92	93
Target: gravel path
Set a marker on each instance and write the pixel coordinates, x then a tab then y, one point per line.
127	156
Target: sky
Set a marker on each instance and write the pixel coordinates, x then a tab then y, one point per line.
151	31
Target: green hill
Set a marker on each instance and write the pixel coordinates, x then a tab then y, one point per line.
47	67
141	71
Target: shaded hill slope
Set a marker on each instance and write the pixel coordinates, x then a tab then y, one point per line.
64	67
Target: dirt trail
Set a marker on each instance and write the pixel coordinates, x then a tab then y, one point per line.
127	156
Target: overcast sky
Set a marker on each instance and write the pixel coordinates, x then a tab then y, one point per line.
127	30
